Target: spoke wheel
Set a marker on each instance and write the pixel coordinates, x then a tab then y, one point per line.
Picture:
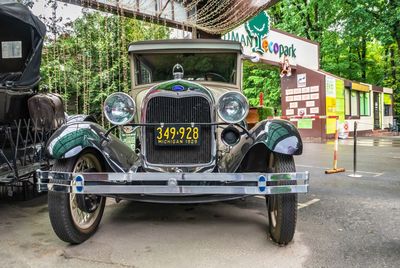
84	218
282	208
75	217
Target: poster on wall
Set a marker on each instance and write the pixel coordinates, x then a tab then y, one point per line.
310	103
305	123
330	88
301	80
289	112
302	111
340	108
343	130
289	92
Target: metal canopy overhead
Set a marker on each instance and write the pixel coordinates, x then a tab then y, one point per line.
212	17
179	44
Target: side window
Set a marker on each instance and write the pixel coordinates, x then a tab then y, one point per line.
347	101
11	50
388	110
145	74
354	103
364	104
387	101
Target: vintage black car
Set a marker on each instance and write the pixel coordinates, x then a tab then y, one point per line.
21	143
183	138
27	117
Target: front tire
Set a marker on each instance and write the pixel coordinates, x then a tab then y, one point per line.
69	220
282	208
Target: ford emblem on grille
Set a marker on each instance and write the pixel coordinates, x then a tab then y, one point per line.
178	88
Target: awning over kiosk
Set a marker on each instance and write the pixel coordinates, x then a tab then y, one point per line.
360	87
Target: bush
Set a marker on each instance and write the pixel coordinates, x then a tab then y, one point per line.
265	112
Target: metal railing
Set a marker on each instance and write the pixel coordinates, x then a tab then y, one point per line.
22	152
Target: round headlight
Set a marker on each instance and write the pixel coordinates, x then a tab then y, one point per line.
119	108
233	107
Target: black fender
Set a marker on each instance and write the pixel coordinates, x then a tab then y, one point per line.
71	139
252	152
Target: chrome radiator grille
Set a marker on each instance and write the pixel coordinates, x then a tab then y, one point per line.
194	109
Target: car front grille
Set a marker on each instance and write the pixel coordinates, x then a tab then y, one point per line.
190	109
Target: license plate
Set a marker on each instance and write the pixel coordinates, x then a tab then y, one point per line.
177	135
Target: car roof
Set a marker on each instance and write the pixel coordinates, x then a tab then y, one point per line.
182	44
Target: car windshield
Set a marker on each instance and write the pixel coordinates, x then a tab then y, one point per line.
157	67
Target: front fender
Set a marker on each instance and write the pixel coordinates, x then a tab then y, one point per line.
277	136
76	118
71	139
280	136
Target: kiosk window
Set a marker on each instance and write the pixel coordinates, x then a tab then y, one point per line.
388	110
387	101
347	101
364	103
354	103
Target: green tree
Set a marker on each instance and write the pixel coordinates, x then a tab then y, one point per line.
261	78
360	39
88	59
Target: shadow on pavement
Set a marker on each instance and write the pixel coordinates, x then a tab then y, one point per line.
196	214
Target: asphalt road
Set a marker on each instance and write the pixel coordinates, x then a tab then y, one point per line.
342	222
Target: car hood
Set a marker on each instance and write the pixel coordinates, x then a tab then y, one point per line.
179	85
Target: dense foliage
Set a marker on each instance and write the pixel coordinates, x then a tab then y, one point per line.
258	78
360	40
88	59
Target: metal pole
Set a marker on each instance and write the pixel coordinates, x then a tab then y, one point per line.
336	145
355	149
335	152
355	175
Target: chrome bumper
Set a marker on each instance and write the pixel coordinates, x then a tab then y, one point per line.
173	183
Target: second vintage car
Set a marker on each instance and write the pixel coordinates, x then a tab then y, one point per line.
184	139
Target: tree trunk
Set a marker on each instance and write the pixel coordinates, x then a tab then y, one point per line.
393	63
308	23
363	59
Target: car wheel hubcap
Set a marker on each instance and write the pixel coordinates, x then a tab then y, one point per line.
83	219
273	211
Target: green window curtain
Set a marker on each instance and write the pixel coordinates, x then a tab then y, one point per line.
354	103
367	104
362	103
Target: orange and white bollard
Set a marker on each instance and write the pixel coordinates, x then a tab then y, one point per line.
335	153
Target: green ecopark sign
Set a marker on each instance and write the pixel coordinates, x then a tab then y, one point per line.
257	37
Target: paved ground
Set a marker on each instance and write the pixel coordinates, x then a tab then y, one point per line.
343	222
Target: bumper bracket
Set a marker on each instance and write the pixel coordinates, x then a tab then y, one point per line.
173	183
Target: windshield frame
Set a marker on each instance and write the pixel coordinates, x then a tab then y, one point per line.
238	78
